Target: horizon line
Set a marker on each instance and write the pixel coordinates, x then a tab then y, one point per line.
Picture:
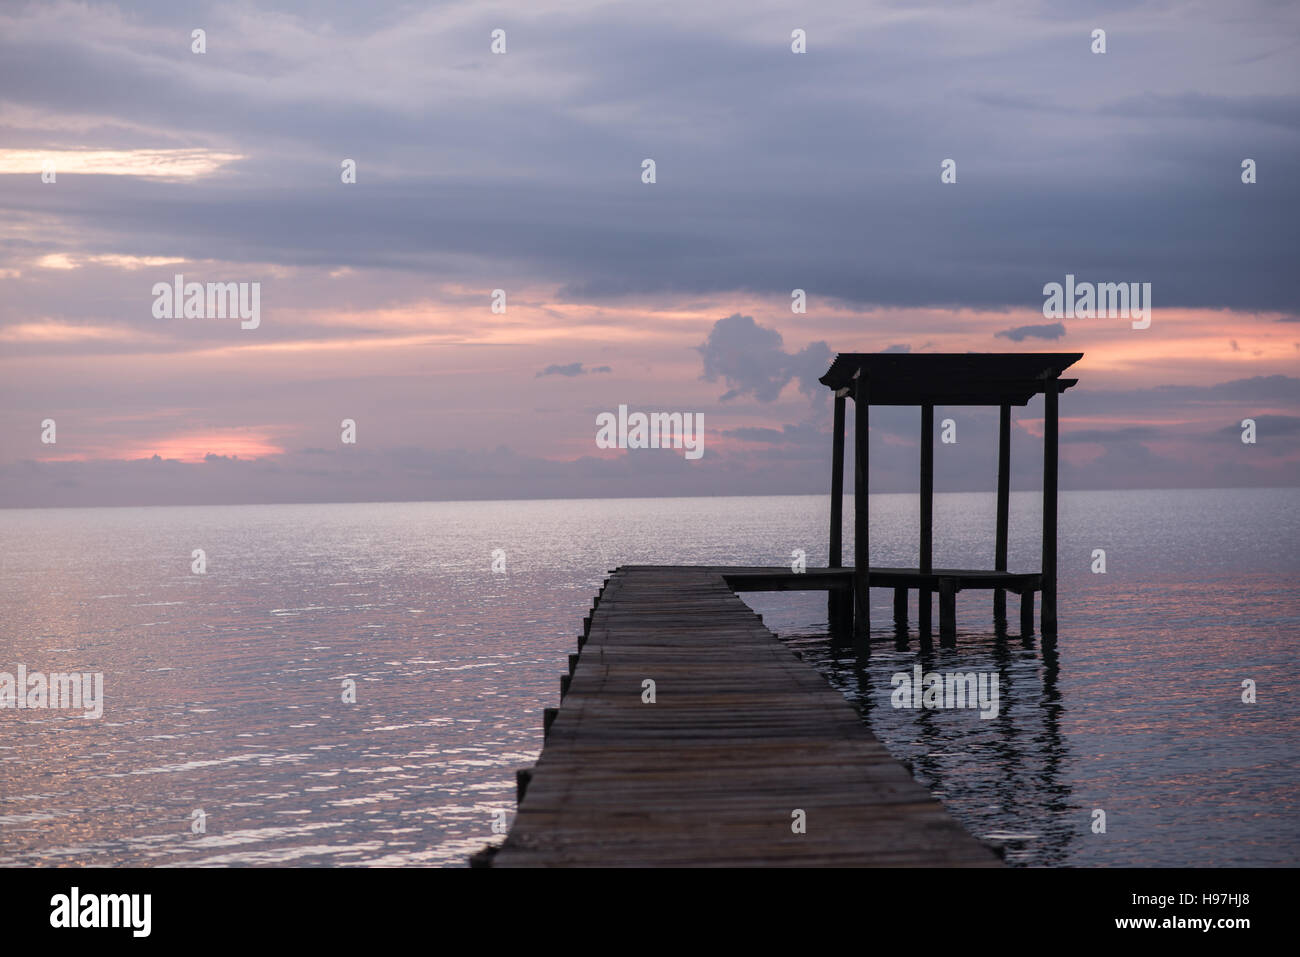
632	498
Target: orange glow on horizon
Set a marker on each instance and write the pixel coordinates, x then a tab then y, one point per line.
190	448
195	447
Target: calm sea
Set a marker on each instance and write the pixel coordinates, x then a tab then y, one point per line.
223	690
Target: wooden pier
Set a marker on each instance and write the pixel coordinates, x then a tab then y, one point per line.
745	756
689	735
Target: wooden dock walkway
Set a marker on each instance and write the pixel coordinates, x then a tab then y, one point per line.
741	737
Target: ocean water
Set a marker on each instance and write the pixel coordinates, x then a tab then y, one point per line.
223	691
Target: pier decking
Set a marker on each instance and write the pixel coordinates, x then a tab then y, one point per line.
741	741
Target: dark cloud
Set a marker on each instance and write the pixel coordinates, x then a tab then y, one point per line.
541	175
751	360
1054	330
572	369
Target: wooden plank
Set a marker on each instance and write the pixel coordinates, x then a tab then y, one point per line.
741	735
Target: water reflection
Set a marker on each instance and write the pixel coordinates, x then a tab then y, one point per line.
1009	768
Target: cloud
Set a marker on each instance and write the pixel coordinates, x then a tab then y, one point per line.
570	370
162	164
1132	433
402	474
1054	330
741	208
751	360
1267	425
1264	388
539	190
802	435
1281	111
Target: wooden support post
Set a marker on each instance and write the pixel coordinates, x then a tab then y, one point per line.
861	512
947	610
1026	613
836	601
927	518
846	610
1051	401
837	485
1004	507
522	778
900	607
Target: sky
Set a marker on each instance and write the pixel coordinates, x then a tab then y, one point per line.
522	171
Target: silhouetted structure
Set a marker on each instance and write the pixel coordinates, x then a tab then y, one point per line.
740	718
927	380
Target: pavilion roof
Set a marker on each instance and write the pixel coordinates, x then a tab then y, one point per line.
951	378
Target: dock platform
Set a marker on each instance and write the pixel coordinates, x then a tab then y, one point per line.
736	753
944	582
